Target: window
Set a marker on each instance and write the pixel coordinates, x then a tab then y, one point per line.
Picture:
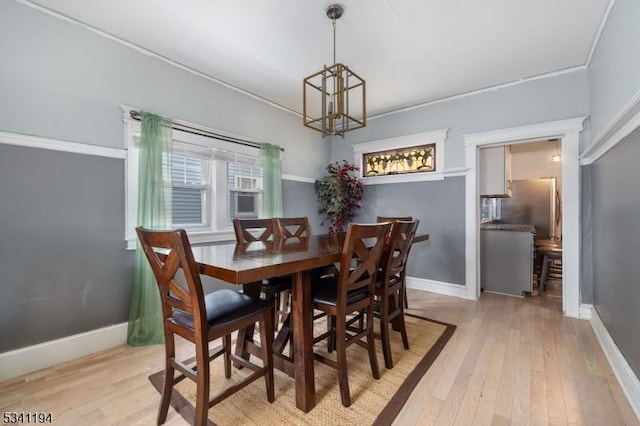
413	159
190	189
245	189
402	159
491	209
212	182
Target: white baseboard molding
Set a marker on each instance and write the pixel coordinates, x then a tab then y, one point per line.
438	287
584	311
31	358
626	377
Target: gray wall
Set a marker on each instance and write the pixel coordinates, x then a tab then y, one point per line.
615	67
586	237
537	101
299	200
62	257
440	207
616	215
614	79
62	81
64	266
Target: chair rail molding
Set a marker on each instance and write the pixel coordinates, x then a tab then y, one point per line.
60	145
620	126
569	132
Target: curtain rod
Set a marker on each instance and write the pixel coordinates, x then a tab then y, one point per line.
195	131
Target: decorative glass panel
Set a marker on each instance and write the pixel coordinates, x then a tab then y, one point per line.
400	161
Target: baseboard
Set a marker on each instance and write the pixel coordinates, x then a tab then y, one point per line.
31	358
438	287
626	377
585	311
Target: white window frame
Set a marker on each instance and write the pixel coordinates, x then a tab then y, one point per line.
220	227
207	205
436	136
256	210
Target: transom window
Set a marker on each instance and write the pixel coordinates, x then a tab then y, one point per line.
400	161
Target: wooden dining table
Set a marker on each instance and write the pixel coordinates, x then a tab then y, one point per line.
248	264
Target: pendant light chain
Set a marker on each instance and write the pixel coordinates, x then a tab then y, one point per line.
334	39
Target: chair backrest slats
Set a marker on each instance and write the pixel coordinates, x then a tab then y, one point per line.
393	219
167	253
293	227
397	247
363	246
249	230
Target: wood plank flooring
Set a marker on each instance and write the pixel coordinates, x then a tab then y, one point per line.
511	361
514	361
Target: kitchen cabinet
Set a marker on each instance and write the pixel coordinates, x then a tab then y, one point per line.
495	171
506	259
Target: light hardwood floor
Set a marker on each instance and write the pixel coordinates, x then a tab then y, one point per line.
511	361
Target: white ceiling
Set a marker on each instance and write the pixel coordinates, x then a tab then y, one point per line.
409	52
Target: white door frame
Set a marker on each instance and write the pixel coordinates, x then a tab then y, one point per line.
569	133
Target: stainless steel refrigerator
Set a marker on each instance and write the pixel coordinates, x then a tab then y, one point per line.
536	202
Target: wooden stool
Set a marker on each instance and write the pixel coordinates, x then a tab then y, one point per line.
548	254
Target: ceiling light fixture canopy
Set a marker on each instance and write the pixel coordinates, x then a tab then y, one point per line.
334	98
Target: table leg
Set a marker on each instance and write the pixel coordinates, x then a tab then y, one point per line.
246	334
303	342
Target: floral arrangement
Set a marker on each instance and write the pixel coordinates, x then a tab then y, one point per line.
339	194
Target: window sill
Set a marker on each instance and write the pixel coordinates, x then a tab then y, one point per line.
196	238
402	178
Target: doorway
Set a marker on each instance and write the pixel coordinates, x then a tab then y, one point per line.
568	132
531	203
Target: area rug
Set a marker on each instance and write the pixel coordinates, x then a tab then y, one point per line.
373	401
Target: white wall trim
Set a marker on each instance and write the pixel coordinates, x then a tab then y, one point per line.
435	136
296	178
629	382
59	145
455	171
596	39
569	131
585	311
480	91
31	358
624	122
439	287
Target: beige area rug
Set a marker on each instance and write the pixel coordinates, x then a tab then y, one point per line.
373	401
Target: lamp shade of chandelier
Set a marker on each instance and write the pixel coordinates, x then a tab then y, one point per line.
334	97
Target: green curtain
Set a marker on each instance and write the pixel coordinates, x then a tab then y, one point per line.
272	180
154	211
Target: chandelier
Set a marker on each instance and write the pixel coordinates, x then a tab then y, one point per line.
334	98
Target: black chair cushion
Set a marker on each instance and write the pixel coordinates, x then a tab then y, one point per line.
326	291
223	306
394	279
277	284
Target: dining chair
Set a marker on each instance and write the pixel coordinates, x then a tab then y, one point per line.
389	308
393	219
293	227
201	318
380	219
251	230
352	292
